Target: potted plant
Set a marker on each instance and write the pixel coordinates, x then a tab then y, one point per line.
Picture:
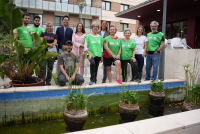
75	114
192	89
157	94
128	107
20	64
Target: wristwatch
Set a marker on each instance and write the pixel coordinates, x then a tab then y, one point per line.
133	56
158	51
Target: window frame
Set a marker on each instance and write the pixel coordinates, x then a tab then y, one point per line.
60	23
123	26
124	7
105	5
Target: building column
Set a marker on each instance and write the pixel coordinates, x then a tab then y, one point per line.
191	32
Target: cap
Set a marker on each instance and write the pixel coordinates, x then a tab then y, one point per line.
69	41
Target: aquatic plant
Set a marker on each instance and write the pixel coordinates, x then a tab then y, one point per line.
129	97
76	101
157	85
192	78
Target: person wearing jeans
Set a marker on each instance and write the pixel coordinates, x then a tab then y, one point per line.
155	44
128	56
48	64
94	47
104	33
140	46
78	49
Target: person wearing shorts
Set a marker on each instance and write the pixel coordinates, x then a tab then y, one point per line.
112	44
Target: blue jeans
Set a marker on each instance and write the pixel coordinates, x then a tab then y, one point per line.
152	60
58	68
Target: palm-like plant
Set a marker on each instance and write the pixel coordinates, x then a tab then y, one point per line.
19	64
129	97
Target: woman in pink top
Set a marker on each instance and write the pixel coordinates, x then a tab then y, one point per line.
78	49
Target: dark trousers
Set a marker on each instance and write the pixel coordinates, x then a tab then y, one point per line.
94	65
46	65
134	68
77	81
140	61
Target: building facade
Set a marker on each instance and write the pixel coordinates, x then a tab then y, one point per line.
95	10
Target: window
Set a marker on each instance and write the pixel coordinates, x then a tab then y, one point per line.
88	2
32	17
58	21
106	5
87	22
123	26
124	7
62	1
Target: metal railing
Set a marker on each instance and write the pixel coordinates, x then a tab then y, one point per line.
69	7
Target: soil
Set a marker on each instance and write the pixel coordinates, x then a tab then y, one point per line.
27	81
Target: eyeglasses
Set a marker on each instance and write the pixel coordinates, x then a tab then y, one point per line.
95	26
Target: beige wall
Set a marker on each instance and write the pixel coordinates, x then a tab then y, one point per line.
73	19
115	7
96	19
174	59
48	17
96	3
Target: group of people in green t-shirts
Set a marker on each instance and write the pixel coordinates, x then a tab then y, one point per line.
101	45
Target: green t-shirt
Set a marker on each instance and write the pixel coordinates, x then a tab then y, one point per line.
127	49
95	45
154	41
113	44
38	30
24	36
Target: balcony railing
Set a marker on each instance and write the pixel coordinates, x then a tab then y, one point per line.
59	7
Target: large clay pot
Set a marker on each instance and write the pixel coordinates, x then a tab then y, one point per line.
128	112
75	120
189	106
156	98
28	85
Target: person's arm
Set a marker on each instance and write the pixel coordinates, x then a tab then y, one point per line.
15	33
145	50
58	40
160	48
74	41
109	51
87	50
64	72
133	57
75	71
119	53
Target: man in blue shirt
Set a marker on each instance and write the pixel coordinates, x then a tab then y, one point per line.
64	34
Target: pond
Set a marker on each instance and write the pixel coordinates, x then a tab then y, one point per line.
46	115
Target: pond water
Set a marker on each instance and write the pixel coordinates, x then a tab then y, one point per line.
94	121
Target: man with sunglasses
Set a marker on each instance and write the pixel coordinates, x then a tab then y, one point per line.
69	66
36	26
154	45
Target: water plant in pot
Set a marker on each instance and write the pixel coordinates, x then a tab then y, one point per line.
128	107
192	90
157	94
75	114
19	64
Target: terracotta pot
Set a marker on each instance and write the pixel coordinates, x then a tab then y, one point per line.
189	106
128	112
157	98
75	120
28	85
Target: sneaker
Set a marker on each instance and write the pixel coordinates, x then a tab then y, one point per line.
138	80
119	81
146	80
131	80
91	83
104	80
48	83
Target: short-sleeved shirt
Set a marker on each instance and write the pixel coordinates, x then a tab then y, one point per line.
24	35
50	37
105	54
38	30
139	49
69	62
